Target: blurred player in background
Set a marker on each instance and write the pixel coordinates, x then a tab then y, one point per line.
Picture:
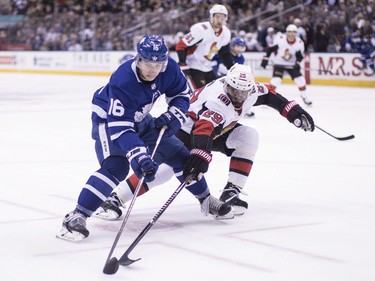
237	48
197	48
288	51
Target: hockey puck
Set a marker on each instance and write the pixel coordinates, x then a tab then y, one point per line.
111	267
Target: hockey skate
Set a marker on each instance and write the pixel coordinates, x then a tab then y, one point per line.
73	227
215	207
306	100
230	195
111	209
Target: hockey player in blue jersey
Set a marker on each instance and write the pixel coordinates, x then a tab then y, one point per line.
125	133
237	47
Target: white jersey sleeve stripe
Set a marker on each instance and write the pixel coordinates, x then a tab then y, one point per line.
117	135
120	124
99	111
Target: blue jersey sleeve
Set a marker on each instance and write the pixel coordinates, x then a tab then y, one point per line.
177	92
239	59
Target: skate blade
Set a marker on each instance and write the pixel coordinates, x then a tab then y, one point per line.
238	211
74	236
106	215
228	216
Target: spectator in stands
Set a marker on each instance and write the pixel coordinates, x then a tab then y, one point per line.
321	38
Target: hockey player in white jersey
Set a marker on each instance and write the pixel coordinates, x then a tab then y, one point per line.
125	132
205	39
214	125
288	51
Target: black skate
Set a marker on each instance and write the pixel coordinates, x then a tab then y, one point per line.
230	195
110	209
74	227
215	207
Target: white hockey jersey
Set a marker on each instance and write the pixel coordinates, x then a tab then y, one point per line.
286	52
199	57
213	105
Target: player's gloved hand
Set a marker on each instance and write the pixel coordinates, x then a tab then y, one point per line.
297	67
141	163
197	163
298	116
173	119
264	63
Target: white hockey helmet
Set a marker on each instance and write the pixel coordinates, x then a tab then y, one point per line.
218	9
240	77
239	82
291	28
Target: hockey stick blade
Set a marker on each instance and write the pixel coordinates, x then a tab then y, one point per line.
338	138
125	260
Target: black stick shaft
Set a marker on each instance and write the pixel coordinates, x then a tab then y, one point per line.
124	258
132	201
338	138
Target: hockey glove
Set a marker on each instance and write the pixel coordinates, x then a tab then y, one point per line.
173	119
264	63
142	164
197	163
298	116
297	67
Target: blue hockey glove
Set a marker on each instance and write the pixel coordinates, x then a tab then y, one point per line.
174	118
142	164
298	116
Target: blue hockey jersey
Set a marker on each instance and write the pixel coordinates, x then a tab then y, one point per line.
126	100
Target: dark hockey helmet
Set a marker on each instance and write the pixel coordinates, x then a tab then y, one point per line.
152	48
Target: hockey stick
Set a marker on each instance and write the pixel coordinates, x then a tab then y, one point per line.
185	70
125	260
111	264
338	138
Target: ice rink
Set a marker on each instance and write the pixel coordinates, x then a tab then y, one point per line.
311	198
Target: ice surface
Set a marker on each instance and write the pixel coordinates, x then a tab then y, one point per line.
311	197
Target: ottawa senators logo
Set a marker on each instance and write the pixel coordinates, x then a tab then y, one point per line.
287	55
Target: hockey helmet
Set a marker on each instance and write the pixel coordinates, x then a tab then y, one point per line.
238	41
152	48
239	82
218	9
291	28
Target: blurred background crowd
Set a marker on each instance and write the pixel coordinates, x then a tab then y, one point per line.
114	25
